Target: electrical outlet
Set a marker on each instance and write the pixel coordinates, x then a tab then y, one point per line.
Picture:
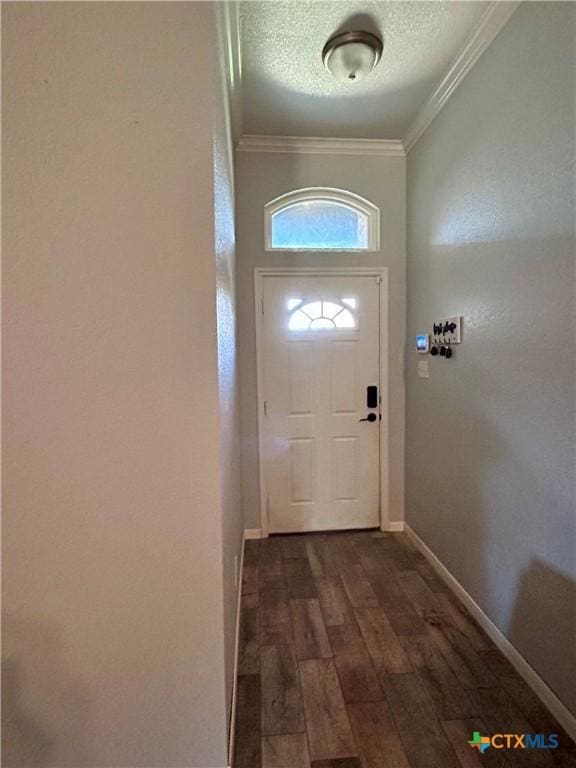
447	331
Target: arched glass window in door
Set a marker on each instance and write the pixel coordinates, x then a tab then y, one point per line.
321	315
321	219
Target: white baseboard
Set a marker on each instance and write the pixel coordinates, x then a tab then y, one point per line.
530	676
232	733
256	533
397	527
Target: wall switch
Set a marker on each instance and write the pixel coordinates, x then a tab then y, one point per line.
423	369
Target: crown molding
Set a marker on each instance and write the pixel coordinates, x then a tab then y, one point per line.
492	21
320	146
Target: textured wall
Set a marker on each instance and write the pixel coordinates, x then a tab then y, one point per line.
490	435
112	530
261	177
228	384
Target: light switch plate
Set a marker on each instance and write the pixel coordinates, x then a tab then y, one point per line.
423	369
448	330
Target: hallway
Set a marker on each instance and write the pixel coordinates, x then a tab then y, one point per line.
354	654
289	342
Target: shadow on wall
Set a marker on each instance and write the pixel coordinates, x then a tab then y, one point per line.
25	743
476	469
35	676
550	625
448	492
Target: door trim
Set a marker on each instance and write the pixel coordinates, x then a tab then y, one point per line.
260	274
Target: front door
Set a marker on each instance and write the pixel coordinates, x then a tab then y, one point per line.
321	412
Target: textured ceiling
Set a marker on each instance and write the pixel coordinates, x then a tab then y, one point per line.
287	92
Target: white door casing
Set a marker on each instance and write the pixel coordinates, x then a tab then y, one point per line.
320	464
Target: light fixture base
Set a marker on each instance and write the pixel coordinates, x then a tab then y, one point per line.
350	56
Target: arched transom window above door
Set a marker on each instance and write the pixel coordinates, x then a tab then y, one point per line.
321	219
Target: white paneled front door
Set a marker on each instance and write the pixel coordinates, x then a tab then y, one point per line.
319	358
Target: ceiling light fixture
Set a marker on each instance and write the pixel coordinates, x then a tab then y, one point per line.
350	56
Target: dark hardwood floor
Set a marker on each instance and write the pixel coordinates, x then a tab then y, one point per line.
354	654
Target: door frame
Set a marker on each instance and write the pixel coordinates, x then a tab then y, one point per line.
260	274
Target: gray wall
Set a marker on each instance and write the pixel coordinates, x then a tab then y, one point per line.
260	177
119	529
228	375
490	435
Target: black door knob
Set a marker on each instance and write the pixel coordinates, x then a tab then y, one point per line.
370	417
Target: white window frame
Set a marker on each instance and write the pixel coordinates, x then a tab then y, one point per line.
325	194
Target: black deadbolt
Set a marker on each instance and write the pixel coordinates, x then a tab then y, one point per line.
372	396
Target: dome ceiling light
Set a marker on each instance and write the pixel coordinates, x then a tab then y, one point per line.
350	56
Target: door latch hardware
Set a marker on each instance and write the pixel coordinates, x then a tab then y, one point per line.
372	396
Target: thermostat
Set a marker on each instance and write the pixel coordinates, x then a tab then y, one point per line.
422	342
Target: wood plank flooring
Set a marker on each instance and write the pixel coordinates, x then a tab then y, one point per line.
354	654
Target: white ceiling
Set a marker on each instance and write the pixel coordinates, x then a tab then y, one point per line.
286	90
